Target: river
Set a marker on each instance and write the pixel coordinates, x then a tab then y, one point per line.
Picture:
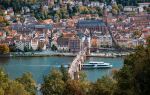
40	66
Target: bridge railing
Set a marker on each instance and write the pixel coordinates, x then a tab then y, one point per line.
74	67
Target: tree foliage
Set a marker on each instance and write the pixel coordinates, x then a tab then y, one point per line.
74	87
134	77
27	80
4	49
104	86
11	87
58	82
53	84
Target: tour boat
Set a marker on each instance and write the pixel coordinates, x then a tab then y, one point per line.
96	65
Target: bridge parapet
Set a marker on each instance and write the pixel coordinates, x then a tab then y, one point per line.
75	66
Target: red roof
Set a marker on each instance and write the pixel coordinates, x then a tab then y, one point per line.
146	30
9	37
1	33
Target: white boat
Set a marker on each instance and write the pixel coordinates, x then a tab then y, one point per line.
96	65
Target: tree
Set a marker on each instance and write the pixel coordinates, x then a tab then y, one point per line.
102	86
1	19
124	84
64	73
74	87
53	84
120	7
27	80
133	78
26	49
83	10
56	17
114	12
3	80
10	87
1	91
54	48
63	13
99	11
15	88
4	49
75	9
148	42
115	9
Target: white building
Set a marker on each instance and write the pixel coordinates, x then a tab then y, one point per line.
141	9
105	41
34	44
144	4
21	45
130	8
137	42
42	45
2	35
96	4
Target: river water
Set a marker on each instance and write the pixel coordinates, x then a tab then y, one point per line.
40	66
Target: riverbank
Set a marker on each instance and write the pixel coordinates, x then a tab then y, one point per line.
48	54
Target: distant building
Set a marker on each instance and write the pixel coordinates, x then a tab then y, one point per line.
122	42
21	45
68	41
74	44
62	44
144	4
94	44
10	11
92	25
96	4
104	41
141	20
86	42
25	10
34	44
41	45
2	35
130	9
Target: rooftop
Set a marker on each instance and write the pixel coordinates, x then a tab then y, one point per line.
47	26
1	33
90	23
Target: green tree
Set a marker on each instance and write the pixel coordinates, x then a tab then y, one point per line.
99	11
120	7
15	88
65	74
10	87
3	80
54	48
83	10
77	87
148	42
27	80
4	49
53	83
134	77
124	84
115	9
26	49
102	86
1	91
74	87
114	12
